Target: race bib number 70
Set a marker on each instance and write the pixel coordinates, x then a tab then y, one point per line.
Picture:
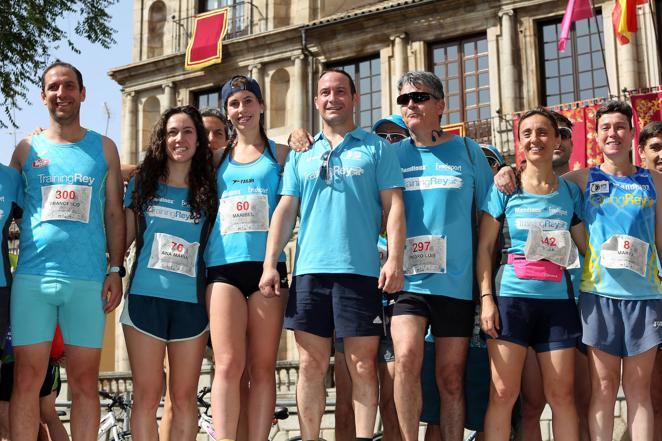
174	254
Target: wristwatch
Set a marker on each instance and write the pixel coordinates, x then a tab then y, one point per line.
117	269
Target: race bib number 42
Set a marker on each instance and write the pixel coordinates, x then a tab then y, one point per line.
625	252
555	246
66	202
174	254
241	214
425	254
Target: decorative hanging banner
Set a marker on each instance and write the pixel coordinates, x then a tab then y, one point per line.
647	108
205	47
455	129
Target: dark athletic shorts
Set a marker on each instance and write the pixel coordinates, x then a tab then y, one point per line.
447	316
245	276
385	353
349	303
543	324
51	382
163	319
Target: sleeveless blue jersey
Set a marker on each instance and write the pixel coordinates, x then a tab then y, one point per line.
248	194
169	246
63	232
11	197
619	212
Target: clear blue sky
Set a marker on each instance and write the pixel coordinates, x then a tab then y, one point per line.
94	62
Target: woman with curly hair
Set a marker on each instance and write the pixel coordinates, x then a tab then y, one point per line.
170	206
245	325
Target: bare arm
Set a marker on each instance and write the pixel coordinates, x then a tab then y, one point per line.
20	154
115	225
489	315
282	151
130	217
579	177
657	179
578	234
127	171
391	277
280	231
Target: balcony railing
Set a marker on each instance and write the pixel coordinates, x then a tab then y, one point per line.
244	19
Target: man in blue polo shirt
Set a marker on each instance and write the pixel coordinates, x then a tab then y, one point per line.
339	188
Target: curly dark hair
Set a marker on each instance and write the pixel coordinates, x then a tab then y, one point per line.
202	194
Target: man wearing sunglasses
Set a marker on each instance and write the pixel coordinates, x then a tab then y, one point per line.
446	178
339	188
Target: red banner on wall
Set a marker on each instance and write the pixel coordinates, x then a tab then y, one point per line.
205	47
585	150
647	108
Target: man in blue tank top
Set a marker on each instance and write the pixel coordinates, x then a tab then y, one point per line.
339	188
72	216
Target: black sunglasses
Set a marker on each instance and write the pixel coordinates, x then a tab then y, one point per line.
392	137
417	97
324	168
492	161
566	132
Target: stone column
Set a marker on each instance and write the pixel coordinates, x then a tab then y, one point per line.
400	58
627	63
129	154
168	97
299	101
257	73
508	69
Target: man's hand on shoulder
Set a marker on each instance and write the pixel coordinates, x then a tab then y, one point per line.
505	181
300	140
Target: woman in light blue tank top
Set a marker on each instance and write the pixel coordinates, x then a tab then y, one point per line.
170	207
527	301
245	326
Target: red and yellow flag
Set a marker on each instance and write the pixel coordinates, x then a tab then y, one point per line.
205	48
624	18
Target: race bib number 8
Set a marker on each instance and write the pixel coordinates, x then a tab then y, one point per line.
425	254
625	252
66	202
174	254
242	214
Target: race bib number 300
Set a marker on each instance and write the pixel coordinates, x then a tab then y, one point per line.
66	202
625	252
425	254
174	254
241	214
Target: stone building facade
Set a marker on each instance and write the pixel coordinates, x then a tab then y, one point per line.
494	57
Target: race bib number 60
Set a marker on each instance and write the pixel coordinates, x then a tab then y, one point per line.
244	214
425	254
174	254
66	202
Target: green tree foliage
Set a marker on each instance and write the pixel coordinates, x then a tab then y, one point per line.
30	30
